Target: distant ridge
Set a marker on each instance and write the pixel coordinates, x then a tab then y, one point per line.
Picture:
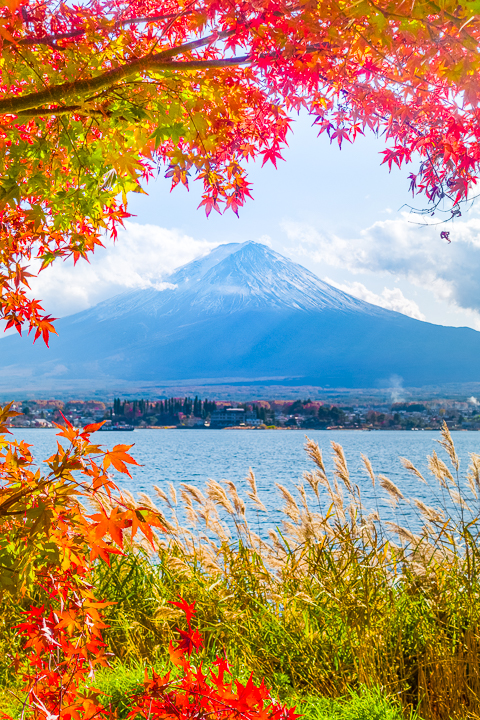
242	313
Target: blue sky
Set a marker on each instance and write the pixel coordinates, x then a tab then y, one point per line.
339	213
318	184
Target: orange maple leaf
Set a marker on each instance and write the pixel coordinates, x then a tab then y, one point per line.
118	457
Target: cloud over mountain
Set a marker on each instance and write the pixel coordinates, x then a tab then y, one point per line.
403	249
241	313
142	256
390	299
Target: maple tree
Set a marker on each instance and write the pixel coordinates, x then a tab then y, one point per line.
48	544
49	541
96	97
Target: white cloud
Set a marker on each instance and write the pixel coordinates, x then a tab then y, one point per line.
142	257
390	299
402	249
265	240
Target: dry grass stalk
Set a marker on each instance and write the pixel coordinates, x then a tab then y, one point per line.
221	531
173	493
251	481
179	566
458	499
276	544
408	465
217	494
368	467
188	508
403	533
196	494
473	474
148	502
291	508
314	452
208	513
167	612
162	495
341	469
338	506
392	489
238	503
254	494
429	513
291	530
447	443
314	479
440	470
208	560
303	498
191	515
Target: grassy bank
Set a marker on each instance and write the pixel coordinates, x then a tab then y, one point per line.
344	614
335	600
120	682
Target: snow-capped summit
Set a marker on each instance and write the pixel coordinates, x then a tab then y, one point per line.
243	313
231	278
251	274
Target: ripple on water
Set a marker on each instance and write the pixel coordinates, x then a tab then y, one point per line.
193	456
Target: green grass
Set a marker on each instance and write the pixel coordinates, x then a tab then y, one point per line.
120	682
366	704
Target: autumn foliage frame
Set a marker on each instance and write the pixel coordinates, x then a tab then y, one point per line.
99	97
49	542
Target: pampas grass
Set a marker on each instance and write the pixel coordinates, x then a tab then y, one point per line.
327	601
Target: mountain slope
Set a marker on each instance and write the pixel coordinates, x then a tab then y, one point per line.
242	313
232	277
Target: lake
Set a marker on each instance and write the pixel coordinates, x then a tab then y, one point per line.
276	456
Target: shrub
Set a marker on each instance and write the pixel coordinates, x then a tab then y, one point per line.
49	546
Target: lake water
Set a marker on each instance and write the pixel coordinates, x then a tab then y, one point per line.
193	456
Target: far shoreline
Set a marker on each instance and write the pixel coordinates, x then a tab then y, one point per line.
237	427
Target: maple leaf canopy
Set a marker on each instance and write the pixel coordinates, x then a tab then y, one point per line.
97	97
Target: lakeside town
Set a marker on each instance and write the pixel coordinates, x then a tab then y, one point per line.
187	412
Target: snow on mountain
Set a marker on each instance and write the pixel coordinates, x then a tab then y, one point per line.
240	314
233	277
252	275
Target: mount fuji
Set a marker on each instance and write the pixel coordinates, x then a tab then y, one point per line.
242	314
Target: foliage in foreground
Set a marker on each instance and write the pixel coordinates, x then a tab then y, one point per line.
49	543
335	599
121	682
97	97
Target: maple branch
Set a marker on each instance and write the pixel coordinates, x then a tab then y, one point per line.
64	110
200	64
31	101
46	39
159	62
51	39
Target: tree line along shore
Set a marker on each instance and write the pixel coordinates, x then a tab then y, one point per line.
188	412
